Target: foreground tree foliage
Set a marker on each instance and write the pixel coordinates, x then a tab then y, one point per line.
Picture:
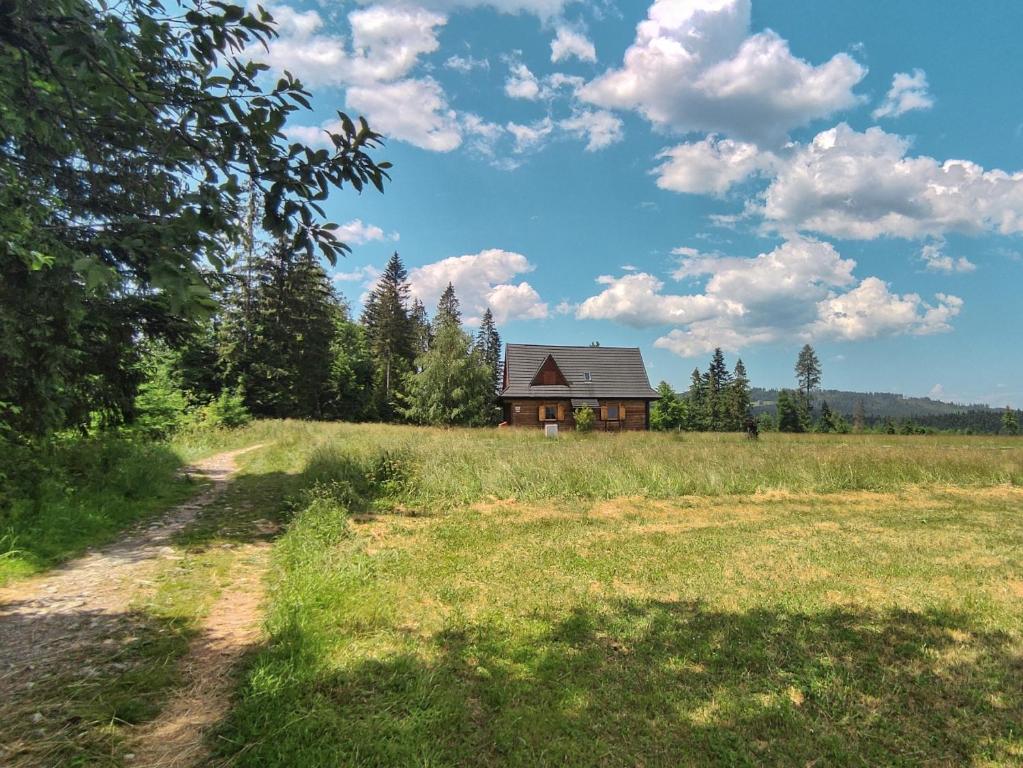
130	134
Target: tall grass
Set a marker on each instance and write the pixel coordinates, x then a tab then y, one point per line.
450	468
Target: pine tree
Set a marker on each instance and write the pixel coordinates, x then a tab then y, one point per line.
488	343
1010	422
788	413
389	332
447	308
808	377
453	385
738	398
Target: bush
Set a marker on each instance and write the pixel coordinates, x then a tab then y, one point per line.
228	410
159	408
585	419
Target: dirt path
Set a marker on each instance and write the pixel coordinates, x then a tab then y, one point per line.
57	625
232	627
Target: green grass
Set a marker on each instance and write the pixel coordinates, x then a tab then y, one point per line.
492	598
61	498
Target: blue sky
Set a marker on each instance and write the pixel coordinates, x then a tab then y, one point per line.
684	174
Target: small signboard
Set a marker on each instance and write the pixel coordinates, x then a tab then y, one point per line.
550	430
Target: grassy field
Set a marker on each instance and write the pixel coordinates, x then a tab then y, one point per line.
464	598
493	598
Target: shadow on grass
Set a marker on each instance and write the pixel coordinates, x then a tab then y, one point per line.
72	680
646	683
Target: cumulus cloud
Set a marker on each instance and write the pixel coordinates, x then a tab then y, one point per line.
522	83
710	166
355	232
803	289
411	110
600	128
936	260
569	42
386	44
694	66
481	280
857	185
908	92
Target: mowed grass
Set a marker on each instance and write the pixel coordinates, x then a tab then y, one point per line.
492	598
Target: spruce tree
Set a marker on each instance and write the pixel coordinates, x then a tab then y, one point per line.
788	416
738	398
277	345
448	309
488	343
453	385
827	419
718	382
389	332
697	401
421	330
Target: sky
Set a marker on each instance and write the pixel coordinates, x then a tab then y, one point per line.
679	175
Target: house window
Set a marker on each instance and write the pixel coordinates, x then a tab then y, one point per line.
613	413
550	413
587	376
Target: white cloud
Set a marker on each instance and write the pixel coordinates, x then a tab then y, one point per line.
694	66
466	64
531	136
936	260
413	110
936	392
387	43
355	232
908	92
803	289
636	300
600	128
570	42
710	166
522	83
850	184
481	280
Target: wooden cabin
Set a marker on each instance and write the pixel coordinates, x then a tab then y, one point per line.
545	385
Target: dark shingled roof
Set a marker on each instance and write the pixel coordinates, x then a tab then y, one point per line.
614	372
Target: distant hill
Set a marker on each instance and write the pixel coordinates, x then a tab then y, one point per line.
876	405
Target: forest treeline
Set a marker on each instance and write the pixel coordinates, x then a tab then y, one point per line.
283	344
720	400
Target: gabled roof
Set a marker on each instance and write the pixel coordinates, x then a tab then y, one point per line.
614	372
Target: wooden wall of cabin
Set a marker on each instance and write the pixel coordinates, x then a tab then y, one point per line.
526	413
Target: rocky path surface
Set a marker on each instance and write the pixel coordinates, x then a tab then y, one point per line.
56	624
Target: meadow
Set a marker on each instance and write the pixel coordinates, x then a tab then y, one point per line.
448	597
491	597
